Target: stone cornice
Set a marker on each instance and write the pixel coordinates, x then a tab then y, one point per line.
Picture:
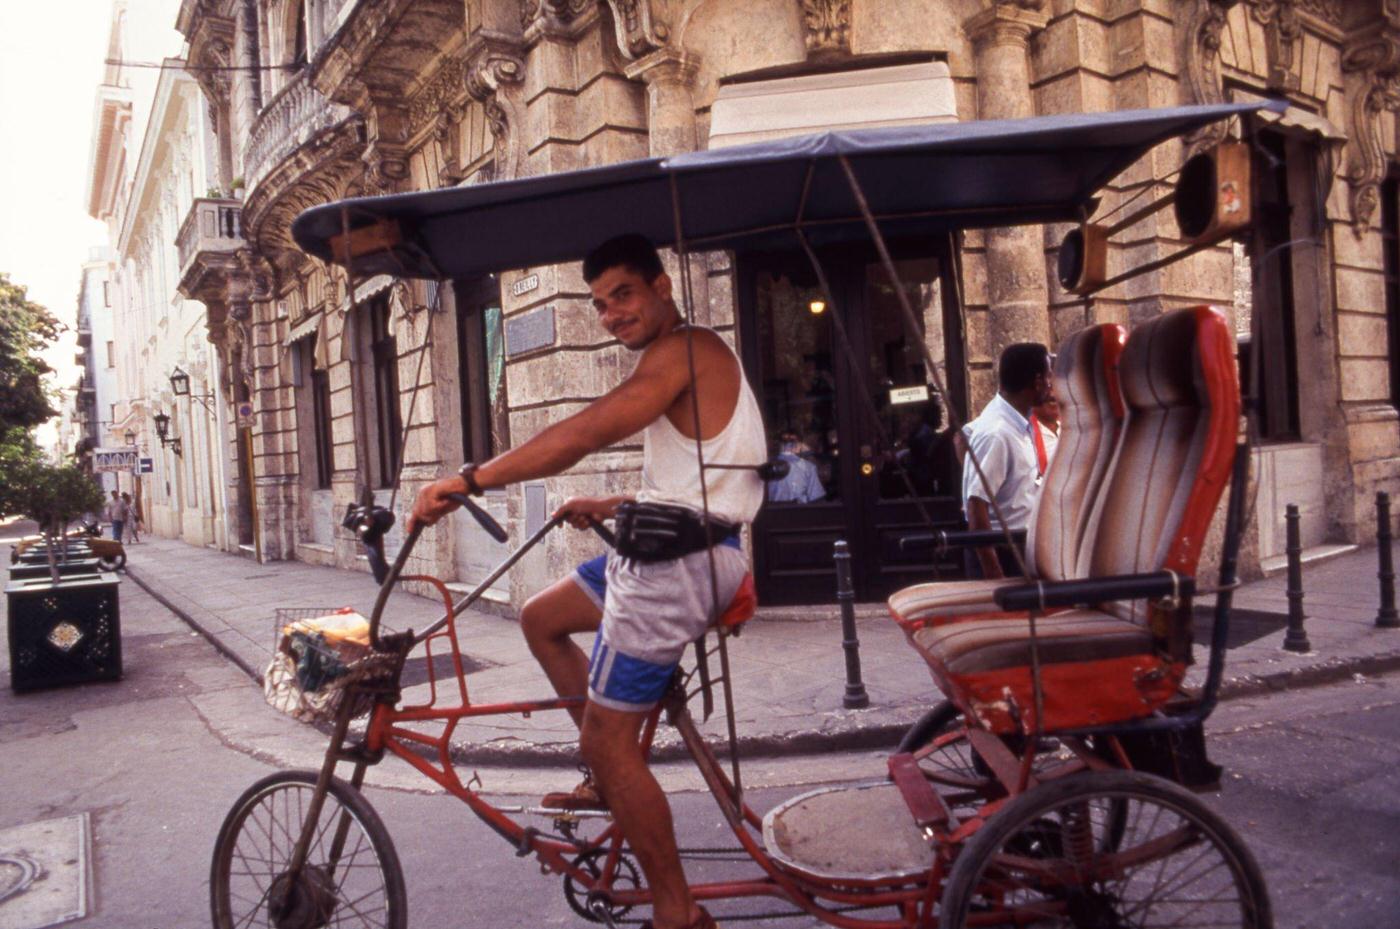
1006	23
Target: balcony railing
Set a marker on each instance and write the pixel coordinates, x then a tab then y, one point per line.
297	114
211	226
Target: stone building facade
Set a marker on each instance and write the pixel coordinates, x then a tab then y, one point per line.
315	100
149	188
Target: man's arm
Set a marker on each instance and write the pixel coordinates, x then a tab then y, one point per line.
978	519
661	375
993	458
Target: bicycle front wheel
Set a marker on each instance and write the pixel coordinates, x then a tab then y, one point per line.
352	875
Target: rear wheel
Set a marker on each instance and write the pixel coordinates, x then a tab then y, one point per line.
352	875
1106	850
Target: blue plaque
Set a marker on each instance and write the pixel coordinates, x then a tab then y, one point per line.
530	331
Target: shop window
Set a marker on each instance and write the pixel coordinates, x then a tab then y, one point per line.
379	391
482	372
1390	240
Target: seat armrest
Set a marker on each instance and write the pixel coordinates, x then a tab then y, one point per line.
942	541
1040	595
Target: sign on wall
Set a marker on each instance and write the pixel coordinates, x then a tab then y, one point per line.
529	331
112	460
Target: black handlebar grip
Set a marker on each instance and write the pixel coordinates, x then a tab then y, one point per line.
487	521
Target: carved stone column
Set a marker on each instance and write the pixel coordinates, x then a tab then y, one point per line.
669	74
1016	289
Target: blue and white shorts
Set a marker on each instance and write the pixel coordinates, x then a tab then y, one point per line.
651	612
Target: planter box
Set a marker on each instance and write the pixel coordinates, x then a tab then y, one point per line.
85	565
64	633
40	554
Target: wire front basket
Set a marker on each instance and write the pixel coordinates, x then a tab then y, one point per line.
320	659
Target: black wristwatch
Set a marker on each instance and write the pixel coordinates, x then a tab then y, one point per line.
467	473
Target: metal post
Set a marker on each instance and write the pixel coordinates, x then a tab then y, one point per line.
1386	618
1296	640
856	697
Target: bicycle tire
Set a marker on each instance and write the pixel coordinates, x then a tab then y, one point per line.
319	895
1138	823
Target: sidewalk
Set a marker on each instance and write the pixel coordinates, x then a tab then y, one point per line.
789	676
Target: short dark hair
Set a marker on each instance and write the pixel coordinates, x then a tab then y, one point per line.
1019	365
632	250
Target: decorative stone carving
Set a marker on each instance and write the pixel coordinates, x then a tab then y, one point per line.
1202	58
493	76
442	92
1375	62
553	16
1282	32
1329	11
640	30
828	26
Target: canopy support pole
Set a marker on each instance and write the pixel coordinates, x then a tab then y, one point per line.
688	298
911	325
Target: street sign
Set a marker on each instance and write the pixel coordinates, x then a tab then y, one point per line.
111	460
145	466
245	415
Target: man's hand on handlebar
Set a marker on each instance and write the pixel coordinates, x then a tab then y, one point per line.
581	512
433	502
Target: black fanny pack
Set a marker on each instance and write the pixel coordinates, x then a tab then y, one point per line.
662	532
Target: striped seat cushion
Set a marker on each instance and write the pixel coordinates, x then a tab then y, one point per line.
980	645
946	598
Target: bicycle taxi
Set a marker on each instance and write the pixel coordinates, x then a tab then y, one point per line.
1047	788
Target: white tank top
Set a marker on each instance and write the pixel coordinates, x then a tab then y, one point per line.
671	473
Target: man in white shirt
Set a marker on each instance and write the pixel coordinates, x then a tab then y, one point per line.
1003	441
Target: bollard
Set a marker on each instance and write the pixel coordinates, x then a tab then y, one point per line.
855	697
1296	640
1386	618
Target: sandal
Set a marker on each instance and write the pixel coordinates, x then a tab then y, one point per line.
584	797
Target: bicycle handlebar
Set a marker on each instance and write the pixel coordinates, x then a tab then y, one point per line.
370	524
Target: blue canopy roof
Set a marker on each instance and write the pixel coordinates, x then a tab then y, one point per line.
919	180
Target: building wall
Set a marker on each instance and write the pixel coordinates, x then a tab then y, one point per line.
405	96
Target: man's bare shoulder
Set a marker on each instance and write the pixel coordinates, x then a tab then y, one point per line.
674	347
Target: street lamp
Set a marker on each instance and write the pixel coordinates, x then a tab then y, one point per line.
180	387
130	437
162	431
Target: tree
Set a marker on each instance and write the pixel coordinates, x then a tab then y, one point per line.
26	328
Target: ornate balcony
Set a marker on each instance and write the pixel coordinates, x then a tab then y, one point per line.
291	119
213	227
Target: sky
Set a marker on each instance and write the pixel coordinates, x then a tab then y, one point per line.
51	62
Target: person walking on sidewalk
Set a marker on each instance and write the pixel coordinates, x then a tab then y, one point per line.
646	613
116	515
133	519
